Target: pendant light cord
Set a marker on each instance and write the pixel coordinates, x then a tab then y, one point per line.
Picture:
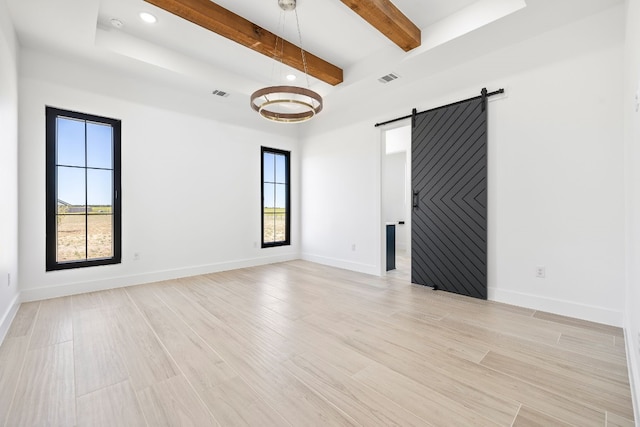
278	54
304	58
290	104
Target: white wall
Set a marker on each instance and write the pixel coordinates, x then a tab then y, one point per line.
8	172
398	140
555	169
394	194
632	178
190	185
341	208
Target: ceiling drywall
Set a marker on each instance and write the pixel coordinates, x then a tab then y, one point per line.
194	59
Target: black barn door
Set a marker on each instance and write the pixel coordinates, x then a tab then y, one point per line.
449	178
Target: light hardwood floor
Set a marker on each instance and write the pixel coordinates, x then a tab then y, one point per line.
298	344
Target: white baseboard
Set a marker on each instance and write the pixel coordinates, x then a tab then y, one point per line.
557	306
7	318
36	294
340	263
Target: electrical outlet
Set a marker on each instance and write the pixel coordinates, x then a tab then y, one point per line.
136	256
353	247
541	271
255	244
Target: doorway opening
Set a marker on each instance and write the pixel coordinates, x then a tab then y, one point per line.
396	197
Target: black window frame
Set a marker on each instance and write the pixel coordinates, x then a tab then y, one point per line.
52	264
287	155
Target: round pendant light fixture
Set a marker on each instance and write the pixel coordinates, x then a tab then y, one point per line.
287	104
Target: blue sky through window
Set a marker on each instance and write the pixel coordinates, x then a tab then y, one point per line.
99	146
274	180
70	142
268	165
71	181
280	161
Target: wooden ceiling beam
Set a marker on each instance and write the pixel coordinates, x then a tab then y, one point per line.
389	20
215	18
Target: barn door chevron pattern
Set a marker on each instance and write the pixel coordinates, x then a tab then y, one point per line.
449	179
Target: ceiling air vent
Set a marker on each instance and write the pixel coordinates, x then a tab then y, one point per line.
388	78
221	93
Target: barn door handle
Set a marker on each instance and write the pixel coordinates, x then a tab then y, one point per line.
416	198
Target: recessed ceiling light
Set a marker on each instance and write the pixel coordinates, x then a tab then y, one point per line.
115	22
148	18
291	77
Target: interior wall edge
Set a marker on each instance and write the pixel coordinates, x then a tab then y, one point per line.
561	307
8	317
631	85
9	216
341	263
633	365
47	292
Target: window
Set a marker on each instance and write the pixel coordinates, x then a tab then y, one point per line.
83	190
276	212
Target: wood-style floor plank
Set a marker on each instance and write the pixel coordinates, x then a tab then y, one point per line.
259	366
362	403
296	344
115	405
423	401
614	420
45	394
197	361
528	417
235	403
12	353
413	363
579	323
619	341
600	394
499	384
97	351
173	402
548	353
228	397
579	344
99	300
24	320
510	324
53	324
139	349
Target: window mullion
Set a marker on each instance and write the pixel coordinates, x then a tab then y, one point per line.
86	196
275	191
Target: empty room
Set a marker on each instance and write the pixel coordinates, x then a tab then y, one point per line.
338	212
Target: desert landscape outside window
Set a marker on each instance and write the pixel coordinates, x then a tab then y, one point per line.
83	186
